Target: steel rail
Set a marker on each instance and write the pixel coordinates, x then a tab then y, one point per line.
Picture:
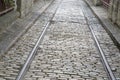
103	57
34	50
32	55
105	63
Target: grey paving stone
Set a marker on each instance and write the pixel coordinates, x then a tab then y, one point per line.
68	51
69	48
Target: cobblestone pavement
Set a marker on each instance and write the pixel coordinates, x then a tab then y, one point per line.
68	51
111	51
13	60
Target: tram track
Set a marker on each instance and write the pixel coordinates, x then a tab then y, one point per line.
105	63
12	62
32	55
102	55
35	48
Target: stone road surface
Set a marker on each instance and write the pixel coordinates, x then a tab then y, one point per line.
68	51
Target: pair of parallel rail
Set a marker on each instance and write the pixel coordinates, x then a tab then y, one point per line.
31	56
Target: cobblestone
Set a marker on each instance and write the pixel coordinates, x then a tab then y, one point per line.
111	51
68	51
13	60
68	48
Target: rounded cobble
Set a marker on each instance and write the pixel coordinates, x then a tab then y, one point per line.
14	59
112	53
68	50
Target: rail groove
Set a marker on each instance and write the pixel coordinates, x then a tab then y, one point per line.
105	63
34	50
31	56
103	58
